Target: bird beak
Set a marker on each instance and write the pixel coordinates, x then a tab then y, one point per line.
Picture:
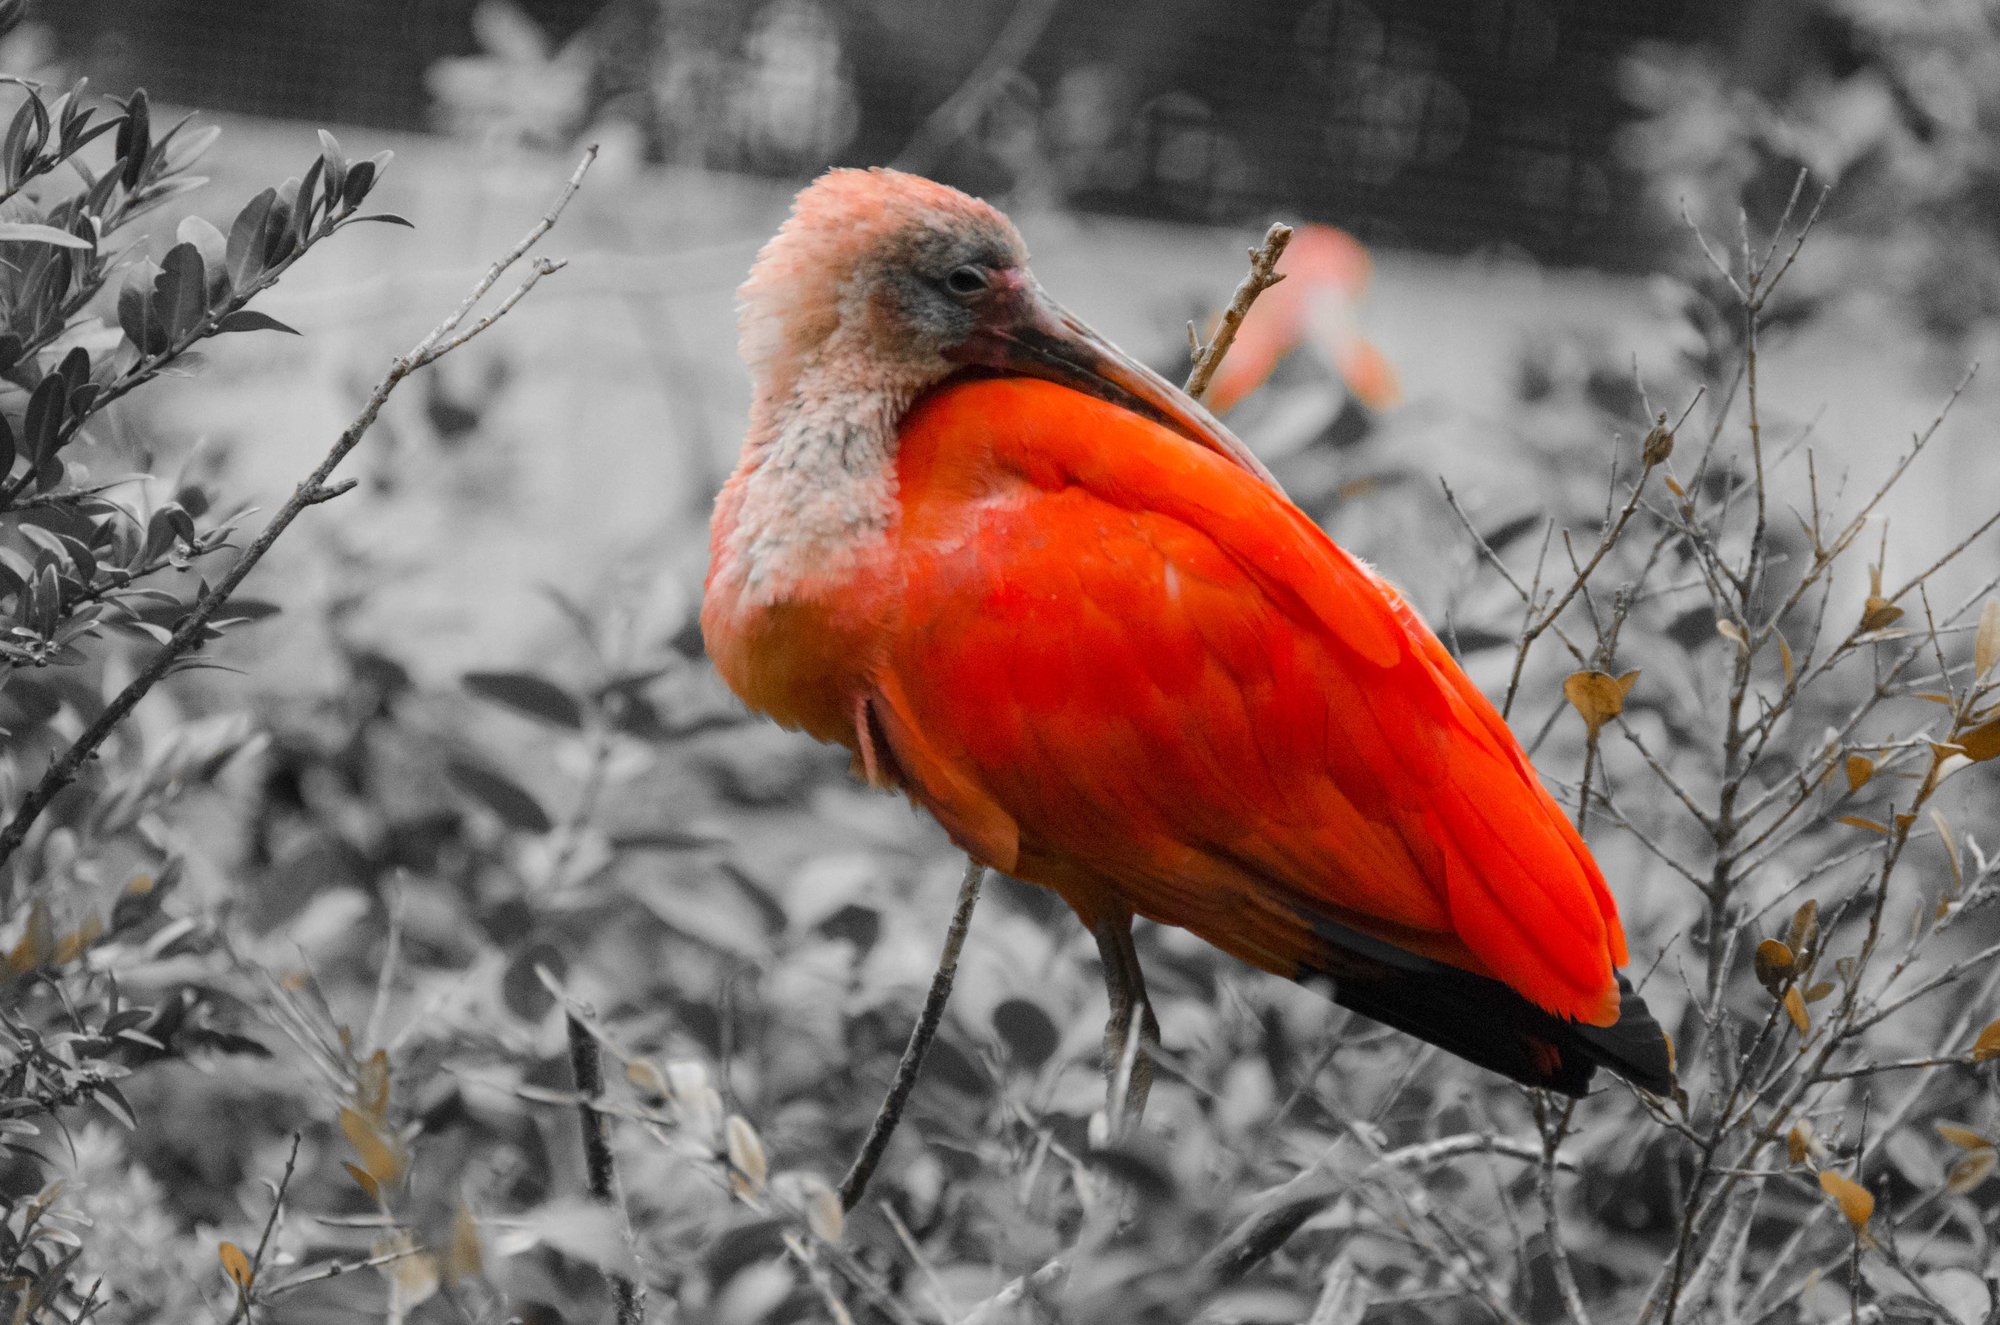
1030	334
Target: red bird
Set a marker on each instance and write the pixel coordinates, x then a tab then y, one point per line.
1050	597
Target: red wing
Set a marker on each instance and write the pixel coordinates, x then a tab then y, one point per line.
1151	669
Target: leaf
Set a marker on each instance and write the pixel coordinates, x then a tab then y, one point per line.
823	1213
235	1264
1785	657
1987	1046
137	315
243	255
1963	1137
381	1155
1819	991
214	250
463	1258
1986	644
1730	631
180	295
1798	1144
368	1184
1856	821
1659	444
1970	1171
1598	696
1771	962
249	319
1878	613
515	807
527	693
389	217
1795	1007
645	1075
1804	932
746	1156
1856	1202
27	232
1859	769
1982	742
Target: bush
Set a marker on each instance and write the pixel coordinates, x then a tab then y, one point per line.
570	993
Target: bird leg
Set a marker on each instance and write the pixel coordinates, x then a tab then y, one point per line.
1128	1059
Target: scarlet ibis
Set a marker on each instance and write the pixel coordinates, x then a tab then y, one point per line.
1045	593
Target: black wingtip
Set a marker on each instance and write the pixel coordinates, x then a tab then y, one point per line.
1484	1021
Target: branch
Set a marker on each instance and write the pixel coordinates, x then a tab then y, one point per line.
1263	275
891	1112
588	1073
315	489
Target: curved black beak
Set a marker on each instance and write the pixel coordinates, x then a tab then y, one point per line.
1030	334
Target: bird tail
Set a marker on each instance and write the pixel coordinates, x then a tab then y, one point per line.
1482	1020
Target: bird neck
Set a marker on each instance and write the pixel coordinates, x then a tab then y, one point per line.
815	493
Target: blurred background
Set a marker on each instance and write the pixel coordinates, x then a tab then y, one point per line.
1502	276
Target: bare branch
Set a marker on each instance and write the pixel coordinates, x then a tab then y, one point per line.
1263	275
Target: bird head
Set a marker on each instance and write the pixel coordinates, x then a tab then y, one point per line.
893	283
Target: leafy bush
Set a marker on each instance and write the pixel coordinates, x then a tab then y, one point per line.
570	993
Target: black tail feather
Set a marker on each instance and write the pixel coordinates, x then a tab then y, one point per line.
1485	1022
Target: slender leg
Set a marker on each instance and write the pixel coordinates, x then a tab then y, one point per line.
1128	1065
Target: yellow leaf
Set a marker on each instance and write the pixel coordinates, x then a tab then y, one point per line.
1879	614
1785	657
823	1213
642	1073
1728	630
1969	1172
368	1184
1934	697
1982	742
1670	1051
463	1259
1795	1005
1819	991
1903	821
1678	490
1859	769
1598	696
381	1154
1855	1201
1987	1046
1856	821
1963	1137
746	1155
1798	1144
371	1089
235	1264
1772	962
1986	644
141	885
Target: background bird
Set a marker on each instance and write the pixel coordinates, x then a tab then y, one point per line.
1050	597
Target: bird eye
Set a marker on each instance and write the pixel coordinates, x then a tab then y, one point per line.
966	280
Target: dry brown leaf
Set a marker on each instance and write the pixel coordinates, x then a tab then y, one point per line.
1879	614
1598	696
1678	490
1771	962
1785	657
642	1073
1987	1046
1855	1201
1798	1144
1729	631
1986	644
381	1151
1856	821
463	1258
1982	742
1963	1137
368	1184
1670	1051
746	1156
235	1264
1819	991
1859	769
1943	827
1903	821
1970	1171
1795	1006
1659	444
1804	933
371	1090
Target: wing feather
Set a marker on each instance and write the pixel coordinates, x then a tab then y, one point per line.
1164	676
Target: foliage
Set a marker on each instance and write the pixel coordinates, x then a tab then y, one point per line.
307	1002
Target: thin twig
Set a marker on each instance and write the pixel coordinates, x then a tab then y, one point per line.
891	1112
1263	275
